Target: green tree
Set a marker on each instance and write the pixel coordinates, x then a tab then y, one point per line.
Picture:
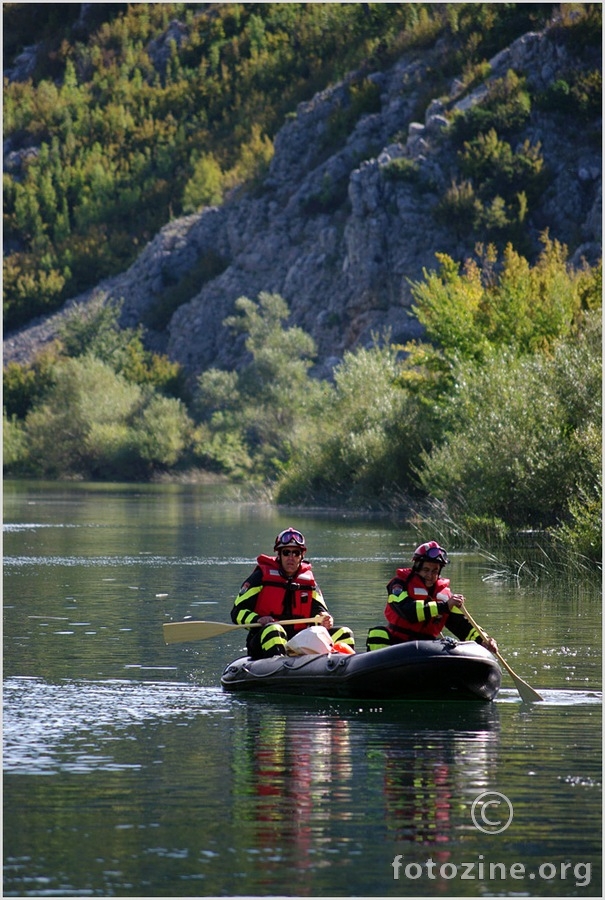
94	423
509	304
359	445
94	329
520	438
86	394
205	187
266	403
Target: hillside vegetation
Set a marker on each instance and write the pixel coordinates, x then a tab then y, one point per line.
165	108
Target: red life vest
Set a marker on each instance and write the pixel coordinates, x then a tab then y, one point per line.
417	590
271	600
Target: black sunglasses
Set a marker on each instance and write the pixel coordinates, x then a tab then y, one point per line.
291	552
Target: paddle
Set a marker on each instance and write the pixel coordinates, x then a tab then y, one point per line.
176	632
526	692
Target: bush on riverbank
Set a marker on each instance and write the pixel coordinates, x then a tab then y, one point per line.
498	416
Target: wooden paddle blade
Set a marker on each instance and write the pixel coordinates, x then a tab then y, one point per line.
526	691
179	632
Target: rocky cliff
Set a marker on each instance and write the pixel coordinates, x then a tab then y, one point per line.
332	233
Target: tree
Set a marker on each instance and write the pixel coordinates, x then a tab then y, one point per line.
96	424
265	404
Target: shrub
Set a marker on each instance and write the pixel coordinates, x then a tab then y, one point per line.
459	208
25	385
581	530
497	169
161	431
94	423
359	447
505	107
85	392
578	94
14	444
205	187
93	329
505	303
263	407
499	187
30	289
518	444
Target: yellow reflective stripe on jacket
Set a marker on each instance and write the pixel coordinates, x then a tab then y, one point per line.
425	611
251	592
245	616
273	636
420	615
431	609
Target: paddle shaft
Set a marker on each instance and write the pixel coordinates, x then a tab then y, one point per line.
526	691
177	632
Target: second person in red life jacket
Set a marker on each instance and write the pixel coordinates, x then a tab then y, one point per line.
420	604
282	587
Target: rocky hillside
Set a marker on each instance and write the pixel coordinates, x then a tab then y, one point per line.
341	227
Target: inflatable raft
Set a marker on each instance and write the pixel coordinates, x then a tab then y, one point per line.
443	669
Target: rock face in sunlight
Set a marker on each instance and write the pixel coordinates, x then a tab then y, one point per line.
341	226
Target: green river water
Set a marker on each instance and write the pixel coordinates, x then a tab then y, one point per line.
129	772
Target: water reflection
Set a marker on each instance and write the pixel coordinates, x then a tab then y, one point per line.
300	774
291	779
199	793
424	781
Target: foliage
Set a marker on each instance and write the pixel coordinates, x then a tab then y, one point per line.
94	330
508	185
505	108
255	415
499	170
582	531
14	444
577	93
505	303
502	451
205	187
520	440
95	424
24	385
135	121
402	169
362	441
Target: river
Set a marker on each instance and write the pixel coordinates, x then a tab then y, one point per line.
129	772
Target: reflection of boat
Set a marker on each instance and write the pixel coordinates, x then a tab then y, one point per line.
417	670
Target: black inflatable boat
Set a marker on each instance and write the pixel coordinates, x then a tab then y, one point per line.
443	669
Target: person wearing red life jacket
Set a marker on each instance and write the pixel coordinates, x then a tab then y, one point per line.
283	587
421	604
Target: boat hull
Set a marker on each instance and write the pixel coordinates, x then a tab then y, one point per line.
417	670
